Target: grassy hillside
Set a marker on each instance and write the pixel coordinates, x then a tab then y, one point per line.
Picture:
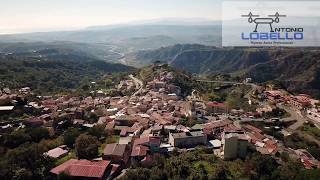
53	71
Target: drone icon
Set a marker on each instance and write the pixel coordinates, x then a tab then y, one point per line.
267	20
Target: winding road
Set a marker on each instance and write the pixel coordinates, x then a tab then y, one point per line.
294	115
138	83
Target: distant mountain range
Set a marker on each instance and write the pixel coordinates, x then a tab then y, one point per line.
111	43
130	37
98	51
176	42
297	69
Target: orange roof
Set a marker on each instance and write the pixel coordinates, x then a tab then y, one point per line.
271	148
147	141
308	164
302	99
252	128
82	168
216	104
271	142
139	150
217	124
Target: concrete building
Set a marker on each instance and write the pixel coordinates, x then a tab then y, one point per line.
187	139
235	145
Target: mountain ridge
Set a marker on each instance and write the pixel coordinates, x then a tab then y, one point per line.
297	69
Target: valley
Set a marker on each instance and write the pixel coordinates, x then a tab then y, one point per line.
159	90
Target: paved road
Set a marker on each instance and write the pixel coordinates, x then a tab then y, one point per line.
253	88
138	83
294	115
223	82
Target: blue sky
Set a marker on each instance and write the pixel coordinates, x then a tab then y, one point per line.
44	15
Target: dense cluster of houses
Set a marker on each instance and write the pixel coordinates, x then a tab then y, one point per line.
299	102
147	125
9	99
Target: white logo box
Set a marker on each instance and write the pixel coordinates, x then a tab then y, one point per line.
271	23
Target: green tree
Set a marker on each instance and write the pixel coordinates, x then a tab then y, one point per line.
87	147
22	174
262	165
64	176
16	138
288	170
138	174
97	131
27	159
39	133
312	174
285	156
70	136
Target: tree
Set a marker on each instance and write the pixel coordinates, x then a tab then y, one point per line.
39	133
22	174
85	87
27	160
284	156
262	165
16	138
64	176
70	136
97	131
312	174
87	146
137	174
92	117
288	170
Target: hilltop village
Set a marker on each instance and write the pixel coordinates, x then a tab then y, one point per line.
102	137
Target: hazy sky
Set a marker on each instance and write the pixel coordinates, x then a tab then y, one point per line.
45	15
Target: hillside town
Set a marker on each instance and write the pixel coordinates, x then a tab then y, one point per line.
158	120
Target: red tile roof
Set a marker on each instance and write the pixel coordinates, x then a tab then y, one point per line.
139	150
59	169
140	146
147	141
271	148
271	142
252	128
216	104
115	149
82	168
209	127
231	128
256	137
308	164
